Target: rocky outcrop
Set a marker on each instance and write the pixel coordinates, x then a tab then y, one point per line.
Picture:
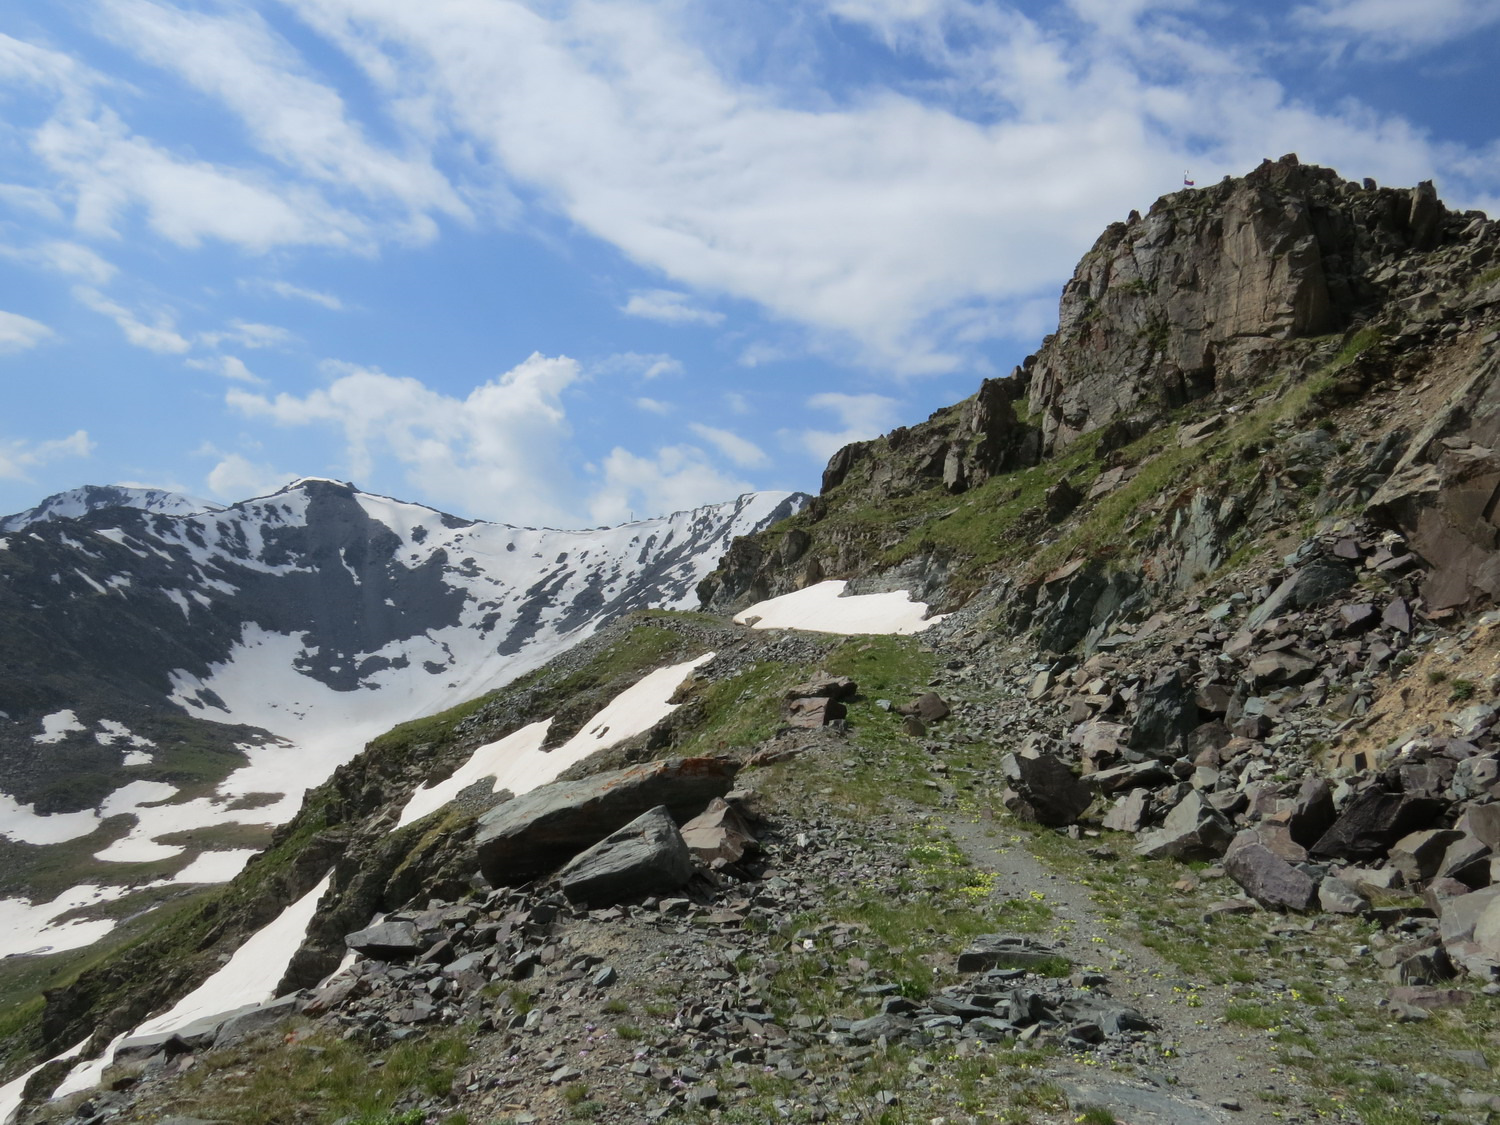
1185	301
534	834
1217	295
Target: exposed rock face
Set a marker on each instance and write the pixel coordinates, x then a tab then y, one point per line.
535	833
647	856
1176	305
1212	295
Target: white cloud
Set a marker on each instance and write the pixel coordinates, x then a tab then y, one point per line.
497	452
1398	27
17	456
654	405
67	258
301	122
744	453
292	292
161	336
869	218
32	200
756	355
249	335
861	416
736	402
677	478
19	333
236	477
649	365
669	307
229	366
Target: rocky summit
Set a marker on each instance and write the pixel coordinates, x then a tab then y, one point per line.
1182	807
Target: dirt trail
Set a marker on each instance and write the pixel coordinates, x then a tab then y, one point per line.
1213	1067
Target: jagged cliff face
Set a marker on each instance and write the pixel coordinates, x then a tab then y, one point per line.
1188	300
1255	310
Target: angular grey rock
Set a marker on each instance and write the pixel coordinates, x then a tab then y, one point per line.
388	941
1194	829
929	707
1280	669
1304	588
883	1026
1372	821
1044	789
1269	879
1003	951
1136	775
1129	813
647	856
814	711
1140	1105
719	832
1312	812
1165	716
259	1018
1419	855
539	831
1338	897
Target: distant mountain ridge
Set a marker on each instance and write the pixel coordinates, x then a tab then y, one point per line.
92	497
318	616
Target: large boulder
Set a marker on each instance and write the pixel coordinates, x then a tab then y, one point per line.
539	831
1372	821
1269	879
1165	717
1044	789
645	857
1194	829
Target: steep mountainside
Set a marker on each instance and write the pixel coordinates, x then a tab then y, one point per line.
1248	307
1216	567
169	670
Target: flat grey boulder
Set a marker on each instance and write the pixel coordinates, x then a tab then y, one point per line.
260	1017
646	857
539	831
1136	1104
1004	951
389	941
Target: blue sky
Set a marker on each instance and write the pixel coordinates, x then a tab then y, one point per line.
567	262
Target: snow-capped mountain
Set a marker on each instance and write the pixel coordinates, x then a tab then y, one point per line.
194	667
92	497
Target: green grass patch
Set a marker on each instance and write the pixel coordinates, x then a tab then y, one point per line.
320	1080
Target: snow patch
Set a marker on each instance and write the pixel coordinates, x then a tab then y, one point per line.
57	726
215	867
27	927
519	763
823	608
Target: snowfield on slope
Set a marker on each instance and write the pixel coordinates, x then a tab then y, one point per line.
458	608
825	608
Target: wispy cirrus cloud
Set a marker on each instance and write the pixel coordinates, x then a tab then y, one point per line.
19	333
669	307
860	417
18	457
287	291
160	335
1395	28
